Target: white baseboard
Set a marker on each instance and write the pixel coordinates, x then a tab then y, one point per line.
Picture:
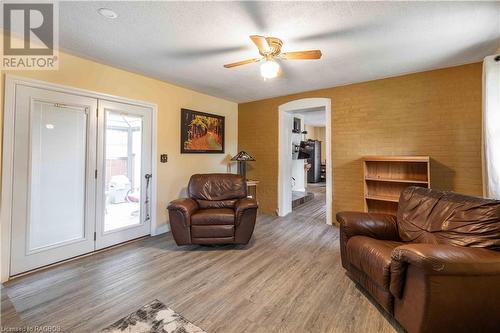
161	229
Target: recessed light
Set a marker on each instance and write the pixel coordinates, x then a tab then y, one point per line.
107	13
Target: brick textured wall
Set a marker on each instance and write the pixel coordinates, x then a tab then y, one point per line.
435	113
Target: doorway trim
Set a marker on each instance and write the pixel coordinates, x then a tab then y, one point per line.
285	149
8	155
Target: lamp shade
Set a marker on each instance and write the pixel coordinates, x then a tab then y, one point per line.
243	156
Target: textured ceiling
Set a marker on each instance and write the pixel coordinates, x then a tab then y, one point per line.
187	43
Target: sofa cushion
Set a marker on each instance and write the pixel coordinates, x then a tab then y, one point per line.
372	257
213	216
435	217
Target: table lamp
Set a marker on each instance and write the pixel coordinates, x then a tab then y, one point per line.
242	157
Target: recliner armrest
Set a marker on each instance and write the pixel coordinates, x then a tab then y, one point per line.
440	259
186	207
244	204
245	214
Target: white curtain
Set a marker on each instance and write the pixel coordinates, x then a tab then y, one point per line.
491	126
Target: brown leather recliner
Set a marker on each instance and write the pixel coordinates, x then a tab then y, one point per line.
216	212
435	267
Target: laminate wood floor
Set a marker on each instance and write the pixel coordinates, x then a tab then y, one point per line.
288	279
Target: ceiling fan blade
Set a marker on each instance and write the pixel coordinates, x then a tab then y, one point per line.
302	55
261	43
239	63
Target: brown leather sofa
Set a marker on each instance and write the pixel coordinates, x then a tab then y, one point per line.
216	212
435	267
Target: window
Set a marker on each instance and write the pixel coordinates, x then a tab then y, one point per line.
491	126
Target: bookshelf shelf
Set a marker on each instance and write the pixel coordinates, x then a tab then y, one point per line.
409	181
382	198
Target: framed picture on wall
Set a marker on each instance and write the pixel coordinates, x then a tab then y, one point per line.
201	133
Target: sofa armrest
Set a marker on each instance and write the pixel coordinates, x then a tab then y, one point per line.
374	225
445	288
379	226
440	259
448	259
186	207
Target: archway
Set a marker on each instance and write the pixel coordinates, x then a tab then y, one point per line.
285	125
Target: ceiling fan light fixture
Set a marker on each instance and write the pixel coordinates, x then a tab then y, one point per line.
270	49
269	69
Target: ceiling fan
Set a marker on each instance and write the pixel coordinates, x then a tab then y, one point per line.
270	49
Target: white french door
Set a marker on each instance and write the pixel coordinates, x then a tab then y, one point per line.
79	176
124	162
53	210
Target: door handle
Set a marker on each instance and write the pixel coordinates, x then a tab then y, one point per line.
148	177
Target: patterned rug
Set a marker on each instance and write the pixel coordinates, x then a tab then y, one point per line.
154	317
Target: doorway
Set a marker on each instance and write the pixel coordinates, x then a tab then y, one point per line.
80	174
124	154
286	151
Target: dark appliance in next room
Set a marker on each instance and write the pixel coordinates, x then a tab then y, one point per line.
313	147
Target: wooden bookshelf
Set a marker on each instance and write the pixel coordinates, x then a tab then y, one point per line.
385	177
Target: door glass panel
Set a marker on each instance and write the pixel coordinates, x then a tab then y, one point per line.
123	145
57	174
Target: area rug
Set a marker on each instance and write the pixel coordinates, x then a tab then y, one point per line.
154	317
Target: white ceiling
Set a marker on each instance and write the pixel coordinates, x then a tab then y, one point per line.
315	118
187	43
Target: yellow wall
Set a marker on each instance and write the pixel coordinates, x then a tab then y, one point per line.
435	113
174	175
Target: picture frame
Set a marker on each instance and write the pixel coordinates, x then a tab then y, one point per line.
202	133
